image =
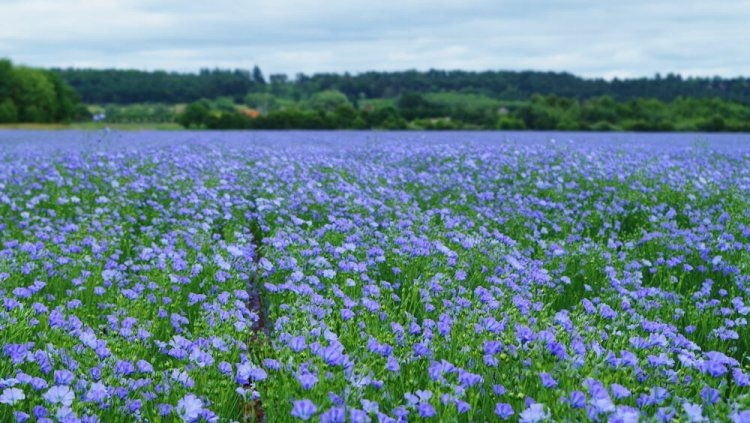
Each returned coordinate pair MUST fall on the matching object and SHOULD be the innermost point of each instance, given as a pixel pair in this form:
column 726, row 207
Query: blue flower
column 358, row 416
column 392, row 365
column 740, row 416
column 64, row 377
column 534, row 413
column 619, row 391
column 303, row 409
column 462, row 406
column 62, row 395
column 710, row 395
column 547, row 380
column 693, row 412
column 11, row 396
column 504, row 410
column 298, row 344
column 189, row 408
column 164, row 409
column 333, row 415
column 426, row 410
column 577, row 399
column 97, row 392
column 307, row 380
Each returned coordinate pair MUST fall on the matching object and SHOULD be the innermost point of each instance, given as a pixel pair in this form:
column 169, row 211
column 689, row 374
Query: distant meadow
column 369, row 276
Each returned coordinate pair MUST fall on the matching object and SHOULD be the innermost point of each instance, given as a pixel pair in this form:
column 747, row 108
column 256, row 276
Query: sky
column 592, row 38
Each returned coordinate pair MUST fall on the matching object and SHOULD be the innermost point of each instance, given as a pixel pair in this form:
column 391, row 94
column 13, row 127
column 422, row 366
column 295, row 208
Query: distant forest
column 111, row 86
column 435, row 99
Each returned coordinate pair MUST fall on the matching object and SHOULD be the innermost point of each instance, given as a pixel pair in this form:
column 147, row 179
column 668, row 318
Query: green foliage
column 328, row 100
column 137, row 113
column 435, row 124
column 510, row 123
column 6, row 75
column 33, row 95
column 258, row 76
column 265, row 102
column 385, row 118
column 195, row 115
column 113, row 86
column 8, row 111
column 477, row 88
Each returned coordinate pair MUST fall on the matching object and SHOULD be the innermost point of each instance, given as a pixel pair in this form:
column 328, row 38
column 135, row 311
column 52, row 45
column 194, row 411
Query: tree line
column 104, row 86
column 119, row 86
column 332, row 109
column 35, row 95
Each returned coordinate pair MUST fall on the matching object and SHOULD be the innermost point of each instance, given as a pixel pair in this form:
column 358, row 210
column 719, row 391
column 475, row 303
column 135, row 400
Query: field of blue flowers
column 372, row 276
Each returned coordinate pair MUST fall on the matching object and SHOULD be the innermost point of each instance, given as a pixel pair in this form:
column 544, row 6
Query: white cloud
column 589, row 37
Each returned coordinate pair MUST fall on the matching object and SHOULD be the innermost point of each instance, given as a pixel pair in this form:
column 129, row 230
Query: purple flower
column 740, row 416
column 358, row 416
column 392, row 365
column 298, row 344
column 619, row 391
column 462, row 406
column 59, row 395
column 164, row 409
column 498, row 389
column 271, row 364
column 307, row 380
column 333, row 356
column 369, row 406
column 577, row 399
column 303, row 409
column 534, row 413
column 334, row 415
column 11, row 396
column 144, row 366
column 504, row 410
column 64, row 377
column 625, row 414
column 134, row 406
column 547, row 380
column 22, row 292
column 714, row 368
column 693, row 412
column 38, row 383
column 97, row 392
column 710, row 395
column 248, row 372
column 39, row 411
column 16, row 352
column 468, row 379
column 189, row 408
column 426, row 410
column 740, row 378
column 124, row 368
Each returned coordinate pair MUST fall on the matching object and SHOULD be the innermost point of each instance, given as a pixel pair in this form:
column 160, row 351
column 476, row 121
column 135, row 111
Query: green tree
column 510, row 123
column 8, row 111
column 258, row 76
column 328, row 100
column 263, row 102
column 6, row 82
column 386, row 118
column 195, row 115
column 34, row 95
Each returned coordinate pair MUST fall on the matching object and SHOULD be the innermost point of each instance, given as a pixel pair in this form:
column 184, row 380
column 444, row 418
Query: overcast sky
column 598, row 38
